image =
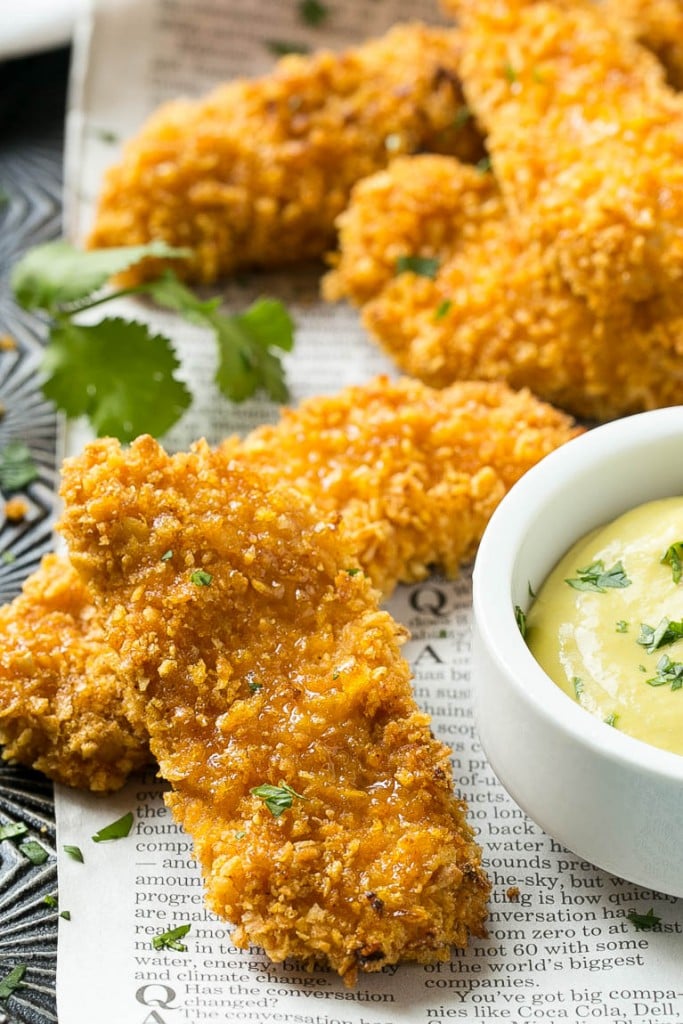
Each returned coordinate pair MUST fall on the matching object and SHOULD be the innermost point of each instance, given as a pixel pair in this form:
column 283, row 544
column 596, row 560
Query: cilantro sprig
column 118, row 373
column 596, row 577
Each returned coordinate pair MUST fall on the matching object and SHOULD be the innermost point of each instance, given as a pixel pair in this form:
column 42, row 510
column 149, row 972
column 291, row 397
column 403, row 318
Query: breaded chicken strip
column 255, row 173
column 586, row 141
column 411, row 475
column 658, row 25
column 414, row 473
column 279, row 709
column 492, row 306
column 64, row 707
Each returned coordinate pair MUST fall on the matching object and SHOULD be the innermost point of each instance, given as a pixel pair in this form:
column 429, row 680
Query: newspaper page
column 562, row 944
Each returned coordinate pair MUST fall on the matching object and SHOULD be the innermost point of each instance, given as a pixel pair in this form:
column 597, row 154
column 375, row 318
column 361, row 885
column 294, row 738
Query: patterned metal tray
column 32, row 106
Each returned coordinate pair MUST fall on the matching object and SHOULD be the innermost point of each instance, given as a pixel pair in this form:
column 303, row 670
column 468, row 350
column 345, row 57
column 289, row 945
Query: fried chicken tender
column 265, row 660
column 411, row 475
column 255, row 173
column 658, row 25
column 65, row 708
column 495, row 307
column 586, row 141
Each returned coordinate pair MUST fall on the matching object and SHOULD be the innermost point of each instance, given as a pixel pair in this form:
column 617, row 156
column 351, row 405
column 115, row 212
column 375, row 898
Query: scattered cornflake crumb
column 513, row 893
column 16, row 509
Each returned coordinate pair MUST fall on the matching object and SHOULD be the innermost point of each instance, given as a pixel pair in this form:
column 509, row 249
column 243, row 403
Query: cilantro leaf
column 668, row 671
column 116, row 373
column 17, row 468
column 171, row 939
column 666, row 632
column 12, row 830
column 644, row 922
column 277, row 799
column 245, row 340
column 57, row 274
column 170, row 292
column 12, row 981
column 34, row 852
column 520, row 619
column 596, row 577
column 672, row 557
column 423, row 266
column 118, row 829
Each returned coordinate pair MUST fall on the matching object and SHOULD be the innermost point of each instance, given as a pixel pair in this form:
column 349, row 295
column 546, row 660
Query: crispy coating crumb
column 658, row 25
column 65, row 708
column 414, row 473
column 332, row 715
column 411, row 474
column 16, row 509
column 255, row 173
column 498, row 307
column 586, row 141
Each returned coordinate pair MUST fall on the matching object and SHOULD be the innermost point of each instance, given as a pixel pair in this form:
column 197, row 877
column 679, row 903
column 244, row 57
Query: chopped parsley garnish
column 171, row 939
column 277, row 798
column 353, row 572
column 484, row 165
column 313, row 12
column 596, row 577
column 644, row 922
column 12, row 830
column 673, row 557
column 167, row 555
column 34, row 852
column 255, row 687
column 423, row 266
column 611, row 719
column 118, row 829
column 7, row 557
column 668, row 671
column 65, row 915
column 667, row 632
column 442, row 309
column 201, row 578
column 240, row 835
column 520, row 619
column 17, row 468
column 12, row 981
column 510, row 74
column 51, row 901
column 74, row 852
column 116, row 372
column 622, row 626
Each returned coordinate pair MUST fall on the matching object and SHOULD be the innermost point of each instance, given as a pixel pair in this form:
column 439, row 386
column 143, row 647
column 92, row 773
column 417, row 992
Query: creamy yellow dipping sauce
column 587, row 640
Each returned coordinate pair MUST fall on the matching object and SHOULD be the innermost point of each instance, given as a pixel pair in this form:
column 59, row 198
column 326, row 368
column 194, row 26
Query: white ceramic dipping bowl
column 612, row 799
